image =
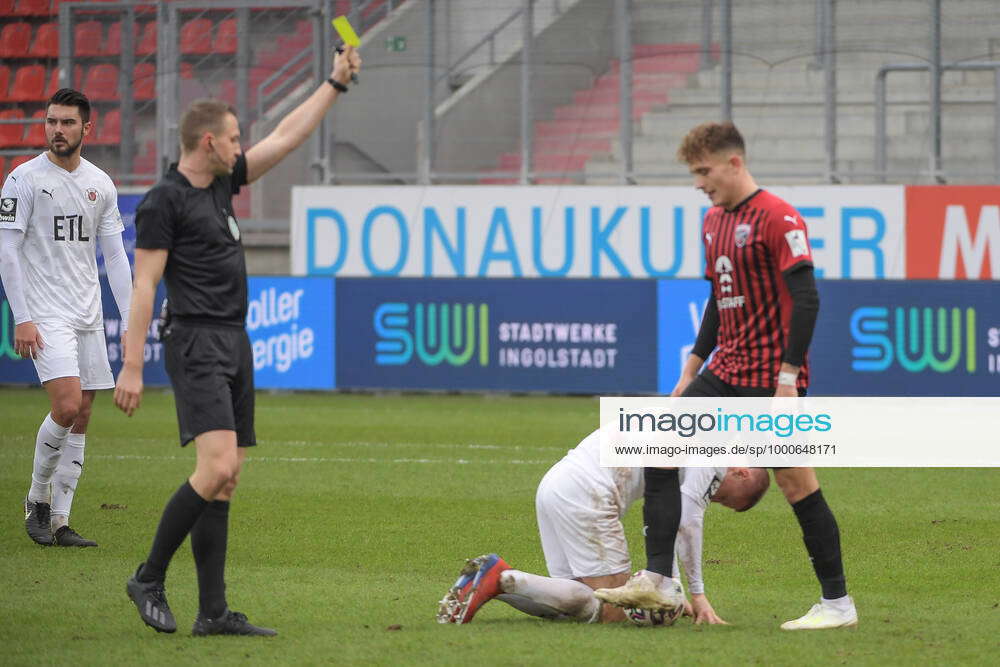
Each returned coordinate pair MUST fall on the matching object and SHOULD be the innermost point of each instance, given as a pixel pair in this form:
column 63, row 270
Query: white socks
column 48, row 447
column 843, row 604
column 65, row 478
column 549, row 598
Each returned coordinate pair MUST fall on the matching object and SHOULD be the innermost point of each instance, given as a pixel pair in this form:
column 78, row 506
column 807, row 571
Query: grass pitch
column 355, row 514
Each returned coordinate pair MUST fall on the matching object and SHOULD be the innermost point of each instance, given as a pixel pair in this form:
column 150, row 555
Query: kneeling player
column 579, row 506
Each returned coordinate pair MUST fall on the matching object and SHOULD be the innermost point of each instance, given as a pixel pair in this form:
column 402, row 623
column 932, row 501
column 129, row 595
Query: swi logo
column 917, row 338
column 436, row 332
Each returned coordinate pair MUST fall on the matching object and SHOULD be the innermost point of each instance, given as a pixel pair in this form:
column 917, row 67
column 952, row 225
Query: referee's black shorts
column 211, row 370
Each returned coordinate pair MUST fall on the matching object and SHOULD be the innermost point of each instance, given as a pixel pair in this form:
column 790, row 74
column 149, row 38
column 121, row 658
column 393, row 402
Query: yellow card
column 346, row 32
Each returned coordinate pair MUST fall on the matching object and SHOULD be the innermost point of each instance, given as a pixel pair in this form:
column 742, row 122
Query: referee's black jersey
column 206, row 271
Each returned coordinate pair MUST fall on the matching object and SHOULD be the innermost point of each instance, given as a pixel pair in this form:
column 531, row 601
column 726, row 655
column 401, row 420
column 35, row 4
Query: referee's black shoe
column 230, row 623
column 151, row 600
column 38, row 522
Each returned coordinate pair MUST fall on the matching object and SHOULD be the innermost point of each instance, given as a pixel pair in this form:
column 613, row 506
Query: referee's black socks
column 208, row 543
column 822, row 538
column 661, row 514
column 180, row 514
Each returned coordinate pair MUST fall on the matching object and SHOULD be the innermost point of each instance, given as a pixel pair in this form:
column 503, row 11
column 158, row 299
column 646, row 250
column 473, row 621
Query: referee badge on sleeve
column 8, row 209
column 234, row 229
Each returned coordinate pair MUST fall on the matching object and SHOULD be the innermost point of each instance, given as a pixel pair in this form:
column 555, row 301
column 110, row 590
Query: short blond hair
column 202, row 116
column 709, row 138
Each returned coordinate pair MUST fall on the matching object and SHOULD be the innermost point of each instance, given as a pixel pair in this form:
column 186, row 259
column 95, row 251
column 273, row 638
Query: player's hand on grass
column 346, row 62
column 128, row 389
column 688, row 611
column 703, row 612
column 27, row 340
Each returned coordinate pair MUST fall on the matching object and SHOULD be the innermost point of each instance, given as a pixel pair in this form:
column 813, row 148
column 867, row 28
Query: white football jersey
column 61, row 214
column 585, row 458
column 700, row 484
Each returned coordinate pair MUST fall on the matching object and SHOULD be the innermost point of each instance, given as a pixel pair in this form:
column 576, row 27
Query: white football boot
column 645, row 590
column 824, row 616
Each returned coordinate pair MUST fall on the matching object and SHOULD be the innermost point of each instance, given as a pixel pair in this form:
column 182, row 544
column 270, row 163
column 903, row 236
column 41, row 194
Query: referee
column 186, row 233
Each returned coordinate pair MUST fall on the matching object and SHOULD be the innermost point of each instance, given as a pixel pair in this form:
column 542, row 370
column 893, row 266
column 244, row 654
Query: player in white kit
column 52, row 209
column 579, row 506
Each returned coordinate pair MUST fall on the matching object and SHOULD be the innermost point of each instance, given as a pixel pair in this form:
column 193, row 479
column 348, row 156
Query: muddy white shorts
column 578, row 520
column 70, row 352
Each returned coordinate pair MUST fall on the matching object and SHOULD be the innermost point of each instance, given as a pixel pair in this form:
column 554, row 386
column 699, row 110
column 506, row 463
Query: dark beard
column 67, row 151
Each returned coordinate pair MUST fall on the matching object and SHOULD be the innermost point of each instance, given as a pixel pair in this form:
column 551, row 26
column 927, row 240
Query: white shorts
column 70, row 352
column 578, row 521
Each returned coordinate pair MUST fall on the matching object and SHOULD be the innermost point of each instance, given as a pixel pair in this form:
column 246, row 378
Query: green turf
column 356, row 512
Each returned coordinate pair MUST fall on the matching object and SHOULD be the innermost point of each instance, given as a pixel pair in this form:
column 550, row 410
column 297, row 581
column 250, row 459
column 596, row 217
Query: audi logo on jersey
column 724, row 270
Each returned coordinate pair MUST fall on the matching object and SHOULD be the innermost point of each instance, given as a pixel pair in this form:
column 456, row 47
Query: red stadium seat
column 6, row 7
column 146, row 42
column 4, row 82
column 53, row 86
column 14, row 40
column 11, row 134
column 46, row 44
column 226, row 37
column 88, row 38
column 113, row 42
column 101, row 82
column 35, row 134
column 29, row 84
column 33, row 8
column 21, row 159
column 196, row 36
column 109, row 131
column 144, row 82
column 3, row 169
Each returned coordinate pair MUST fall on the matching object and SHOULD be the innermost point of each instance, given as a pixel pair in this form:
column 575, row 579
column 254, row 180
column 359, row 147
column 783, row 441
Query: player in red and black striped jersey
column 759, row 321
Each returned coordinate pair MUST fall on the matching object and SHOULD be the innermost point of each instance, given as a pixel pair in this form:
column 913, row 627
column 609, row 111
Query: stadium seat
column 196, row 36
column 101, row 82
column 225, row 37
column 46, row 43
column 53, row 86
column 109, row 131
column 146, row 42
column 21, row 159
column 144, row 82
column 7, row 7
column 14, row 40
column 29, row 84
column 113, row 42
column 88, row 39
column 3, row 168
column 33, row 8
column 4, row 82
column 35, row 134
column 11, row 134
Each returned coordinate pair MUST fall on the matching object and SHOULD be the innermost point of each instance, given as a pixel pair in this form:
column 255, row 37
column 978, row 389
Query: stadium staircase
column 778, row 96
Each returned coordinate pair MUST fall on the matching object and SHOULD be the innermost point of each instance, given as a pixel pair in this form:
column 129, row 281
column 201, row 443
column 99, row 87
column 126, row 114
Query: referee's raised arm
column 301, row 121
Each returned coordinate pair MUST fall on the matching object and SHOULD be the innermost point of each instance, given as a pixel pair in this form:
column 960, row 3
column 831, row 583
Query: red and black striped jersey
column 746, row 251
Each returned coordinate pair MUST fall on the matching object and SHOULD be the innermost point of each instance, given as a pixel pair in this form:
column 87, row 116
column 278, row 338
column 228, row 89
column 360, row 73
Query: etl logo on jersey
column 917, row 339
column 436, row 332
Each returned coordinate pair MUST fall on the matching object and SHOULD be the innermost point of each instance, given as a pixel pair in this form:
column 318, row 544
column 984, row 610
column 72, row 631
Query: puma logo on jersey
column 792, row 219
column 51, row 447
column 47, row 192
